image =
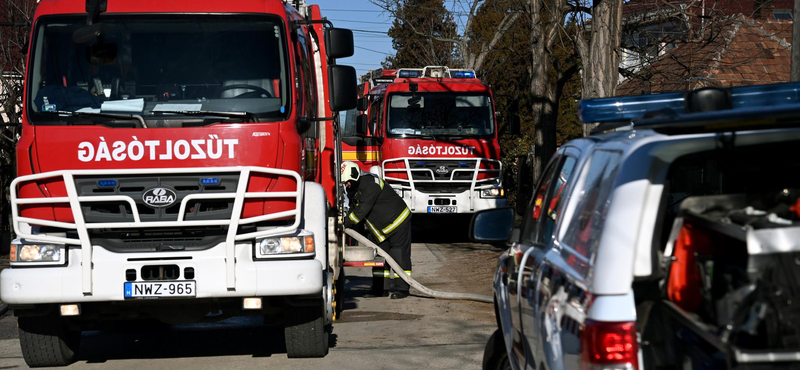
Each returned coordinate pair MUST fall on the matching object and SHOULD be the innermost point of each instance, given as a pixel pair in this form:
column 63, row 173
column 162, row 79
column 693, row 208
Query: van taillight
column 609, row 345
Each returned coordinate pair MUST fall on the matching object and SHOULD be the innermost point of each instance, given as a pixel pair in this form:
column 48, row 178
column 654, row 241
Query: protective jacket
column 378, row 205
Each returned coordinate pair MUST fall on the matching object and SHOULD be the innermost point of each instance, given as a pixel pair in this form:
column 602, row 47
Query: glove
column 348, row 223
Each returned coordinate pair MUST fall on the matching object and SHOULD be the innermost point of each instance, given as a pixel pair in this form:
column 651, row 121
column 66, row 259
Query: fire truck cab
column 177, row 162
column 432, row 134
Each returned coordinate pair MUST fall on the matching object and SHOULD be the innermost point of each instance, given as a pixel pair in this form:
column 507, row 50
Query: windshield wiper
column 247, row 116
column 98, row 114
column 422, row 136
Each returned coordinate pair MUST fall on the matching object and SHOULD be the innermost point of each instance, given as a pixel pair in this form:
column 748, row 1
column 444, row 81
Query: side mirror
column 362, row 105
column 361, row 125
column 513, row 124
column 343, row 88
column 339, row 42
column 492, row 225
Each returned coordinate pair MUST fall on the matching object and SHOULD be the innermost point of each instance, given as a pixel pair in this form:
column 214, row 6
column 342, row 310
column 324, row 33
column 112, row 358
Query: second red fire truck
column 432, row 134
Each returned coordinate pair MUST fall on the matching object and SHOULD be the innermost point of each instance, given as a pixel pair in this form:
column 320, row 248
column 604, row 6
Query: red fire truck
column 178, row 162
column 432, row 134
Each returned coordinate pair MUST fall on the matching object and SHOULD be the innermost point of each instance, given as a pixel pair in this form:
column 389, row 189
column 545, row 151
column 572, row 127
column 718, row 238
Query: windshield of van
column 441, row 114
column 148, row 65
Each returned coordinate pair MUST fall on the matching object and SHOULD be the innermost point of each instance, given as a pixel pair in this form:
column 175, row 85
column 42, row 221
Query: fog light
column 70, row 310
column 251, row 303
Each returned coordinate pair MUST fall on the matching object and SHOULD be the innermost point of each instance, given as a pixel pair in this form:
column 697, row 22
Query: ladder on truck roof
column 436, row 72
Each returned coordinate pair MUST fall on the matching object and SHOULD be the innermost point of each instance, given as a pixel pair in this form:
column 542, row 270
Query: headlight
column 46, row 254
column 284, row 245
column 492, row 193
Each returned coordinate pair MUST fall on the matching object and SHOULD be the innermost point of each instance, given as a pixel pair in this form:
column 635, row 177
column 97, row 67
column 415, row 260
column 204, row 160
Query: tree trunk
column 601, row 60
column 542, row 95
column 796, row 42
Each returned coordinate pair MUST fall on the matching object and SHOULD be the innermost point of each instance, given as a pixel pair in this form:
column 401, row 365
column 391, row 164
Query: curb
column 3, row 309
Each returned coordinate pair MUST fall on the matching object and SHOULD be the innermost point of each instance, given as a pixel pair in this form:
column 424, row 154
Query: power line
column 368, row 31
column 374, row 51
column 357, row 21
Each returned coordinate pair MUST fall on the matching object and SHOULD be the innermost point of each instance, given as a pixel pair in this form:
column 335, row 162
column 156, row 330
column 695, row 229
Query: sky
column 369, row 24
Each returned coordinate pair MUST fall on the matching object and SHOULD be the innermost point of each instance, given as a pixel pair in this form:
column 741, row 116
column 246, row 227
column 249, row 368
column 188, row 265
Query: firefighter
column 388, row 221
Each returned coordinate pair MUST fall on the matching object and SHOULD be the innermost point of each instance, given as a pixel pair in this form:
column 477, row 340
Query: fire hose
column 401, row 273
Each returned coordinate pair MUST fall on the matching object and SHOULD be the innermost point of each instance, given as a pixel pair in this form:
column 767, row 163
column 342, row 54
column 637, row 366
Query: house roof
column 741, row 52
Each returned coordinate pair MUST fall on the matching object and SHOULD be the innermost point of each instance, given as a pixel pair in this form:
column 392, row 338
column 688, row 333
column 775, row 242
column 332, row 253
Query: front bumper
column 419, row 202
column 276, row 277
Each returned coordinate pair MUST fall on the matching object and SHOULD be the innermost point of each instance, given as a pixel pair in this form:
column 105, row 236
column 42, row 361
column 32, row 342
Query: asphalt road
column 376, row 333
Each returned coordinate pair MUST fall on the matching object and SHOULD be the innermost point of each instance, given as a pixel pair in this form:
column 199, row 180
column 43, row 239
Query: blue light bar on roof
column 627, row 108
column 408, row 74
column 462, row 74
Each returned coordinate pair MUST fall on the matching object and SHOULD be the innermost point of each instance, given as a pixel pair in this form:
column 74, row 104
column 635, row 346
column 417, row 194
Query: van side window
column 594, row 199
column 534, row 212
column 554, row 199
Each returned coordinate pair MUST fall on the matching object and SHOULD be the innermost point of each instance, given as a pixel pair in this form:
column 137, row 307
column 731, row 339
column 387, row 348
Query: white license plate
column 158, row 289
column 443, row 209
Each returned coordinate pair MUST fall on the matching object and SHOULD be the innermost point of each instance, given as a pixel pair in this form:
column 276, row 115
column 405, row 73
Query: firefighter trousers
column 398, row 245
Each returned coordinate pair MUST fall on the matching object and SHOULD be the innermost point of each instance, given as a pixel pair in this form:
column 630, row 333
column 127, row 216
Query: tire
column 45, row 341
column 495, row 356
column 305, row 332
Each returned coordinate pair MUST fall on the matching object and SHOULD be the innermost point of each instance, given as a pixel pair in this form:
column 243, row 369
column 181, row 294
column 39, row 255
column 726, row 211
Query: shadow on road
column 440, row 228
column 234, row 336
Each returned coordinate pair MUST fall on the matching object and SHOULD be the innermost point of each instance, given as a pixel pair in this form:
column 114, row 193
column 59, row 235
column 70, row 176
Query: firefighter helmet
column 350, row 172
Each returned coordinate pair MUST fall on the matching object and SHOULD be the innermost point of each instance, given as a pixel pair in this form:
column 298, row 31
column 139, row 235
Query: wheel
column 45, row 341
column 495, row 356
column 305, row 331
column 338, row 296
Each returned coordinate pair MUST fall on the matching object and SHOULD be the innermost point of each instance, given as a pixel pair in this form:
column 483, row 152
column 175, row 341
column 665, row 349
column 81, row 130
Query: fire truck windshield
column 440, row 114
column 158, row 65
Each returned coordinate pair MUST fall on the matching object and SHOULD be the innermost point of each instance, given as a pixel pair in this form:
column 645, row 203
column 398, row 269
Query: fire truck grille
column 159, row 240
column 136, row 187
column 442, row 170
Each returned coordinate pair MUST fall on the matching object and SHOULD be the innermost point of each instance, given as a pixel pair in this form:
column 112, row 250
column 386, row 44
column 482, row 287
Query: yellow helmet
column 350, row 171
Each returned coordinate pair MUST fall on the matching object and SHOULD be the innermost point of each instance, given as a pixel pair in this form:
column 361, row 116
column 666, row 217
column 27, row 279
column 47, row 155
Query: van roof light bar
column 629, row 108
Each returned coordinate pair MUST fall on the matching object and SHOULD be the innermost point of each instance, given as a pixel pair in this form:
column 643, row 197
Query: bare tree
column 796, row 41
column 600, row 58
column 687, row 45
column 472, row 57
column 15, row 21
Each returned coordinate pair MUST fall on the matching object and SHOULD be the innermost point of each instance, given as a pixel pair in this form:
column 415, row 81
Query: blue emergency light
column 408, row 74
column 107, row 183
column 620, row 109
column 209, row 181
column 462, row 74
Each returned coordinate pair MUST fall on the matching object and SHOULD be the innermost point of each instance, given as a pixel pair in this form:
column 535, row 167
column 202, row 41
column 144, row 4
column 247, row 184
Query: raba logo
column 159, row 197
